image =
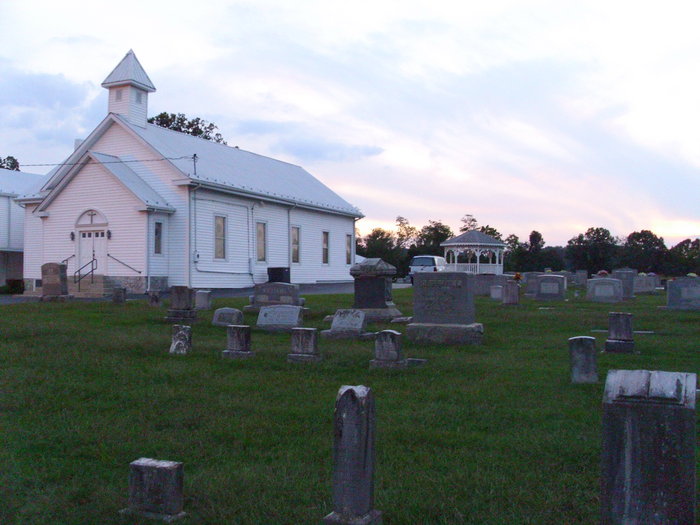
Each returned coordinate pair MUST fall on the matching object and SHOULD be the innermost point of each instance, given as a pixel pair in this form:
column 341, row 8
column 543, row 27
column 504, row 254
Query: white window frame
column 291, row 244
column 257, row 242
column 225, row 237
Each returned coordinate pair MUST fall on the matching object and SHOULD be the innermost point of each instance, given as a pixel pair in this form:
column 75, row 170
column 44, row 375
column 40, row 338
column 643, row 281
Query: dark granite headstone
column 155, row 489
column 583, row 359
column 181, row 305
column 54, row 280
column 373, row 292
column 353, row 458
column 648, row 450
column 119, row 295
column 620, row 335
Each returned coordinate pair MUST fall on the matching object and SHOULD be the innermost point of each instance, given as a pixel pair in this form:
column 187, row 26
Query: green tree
column 9, row 163
column 594, row 250
column 644, row 251
column 431, row 235
column 469, row 223
column 683, row 258
column 536, row 242
column 196, row 126
column 406, row 234
column 490, row 230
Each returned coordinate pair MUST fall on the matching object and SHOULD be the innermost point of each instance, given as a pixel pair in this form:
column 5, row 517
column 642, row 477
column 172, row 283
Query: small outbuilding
column 475, row 252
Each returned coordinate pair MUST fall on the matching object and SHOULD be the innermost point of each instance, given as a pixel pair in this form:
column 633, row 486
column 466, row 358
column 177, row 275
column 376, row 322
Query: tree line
column 593, row 250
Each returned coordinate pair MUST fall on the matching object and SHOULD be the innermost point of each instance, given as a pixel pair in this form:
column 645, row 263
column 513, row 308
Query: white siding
column 128, row 106
column 159, row 175
column 95, row 188
column 5, row 222
column 158, row 262
column 16, row 226
column 33, row 243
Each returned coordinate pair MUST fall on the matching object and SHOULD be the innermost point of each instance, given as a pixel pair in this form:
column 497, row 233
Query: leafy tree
column 683, row 258
column 644, row 251
column 406, row 234
column 469, row 223
column 431, row 235
column 490, row 230
column 536, row 242
column 9, row 163
column 196, row 126
column 380, row 243
column 516, row 254
column 594, row 250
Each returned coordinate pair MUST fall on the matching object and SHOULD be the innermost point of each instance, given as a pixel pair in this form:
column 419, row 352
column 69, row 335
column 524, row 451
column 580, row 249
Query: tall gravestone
column 511, row 293
column 620, row 335
column 181, row 305
column 604, row 290
column 155, row 489
column 54, row 282
column 373, row 293
column 648, row 449
column 353, row 458
column 443, row 309
column 683, row 293
column 530, row 279
column 627, row 276
column 582, row 356
column 580, row 277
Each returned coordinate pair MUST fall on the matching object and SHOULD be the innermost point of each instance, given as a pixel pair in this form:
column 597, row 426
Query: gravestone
column 237, row 342
column 275, row 293
column 155, row 489
column 604, row 290
column 226, row 316
column 550, row 287
column 683, row 293
column 511, row 293
column 530, row 279
column 54, row 282
column 181, row 305
column 648, row 448
column 497, row 292
column 627, row 276
column 119, row 295
column 644, row 284
column 153, row 298
column 348, row 324
column 387, row 351
column 568, row 277
column 202, row 300
column 443, row 309
column 280, row 318
column 373, row 295
column 353, row 458
column 583, row 359
column 304, row 346
column 620, row 335
column 484, row 281
column 581, row 277
column 181, row 340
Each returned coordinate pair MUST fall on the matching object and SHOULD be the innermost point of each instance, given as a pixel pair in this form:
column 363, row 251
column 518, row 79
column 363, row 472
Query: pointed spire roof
column 129, row 72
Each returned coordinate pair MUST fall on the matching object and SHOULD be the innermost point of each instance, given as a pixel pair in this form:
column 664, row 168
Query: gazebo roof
column 473, row 238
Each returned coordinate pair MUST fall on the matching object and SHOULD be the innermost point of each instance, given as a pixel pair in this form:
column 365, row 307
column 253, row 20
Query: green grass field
column 490, row 434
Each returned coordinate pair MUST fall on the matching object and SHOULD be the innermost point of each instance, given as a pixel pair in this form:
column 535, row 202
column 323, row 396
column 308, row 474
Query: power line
column 112, row 161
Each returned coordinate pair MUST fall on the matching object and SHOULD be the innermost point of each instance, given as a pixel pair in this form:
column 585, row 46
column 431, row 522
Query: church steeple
column 129, row 86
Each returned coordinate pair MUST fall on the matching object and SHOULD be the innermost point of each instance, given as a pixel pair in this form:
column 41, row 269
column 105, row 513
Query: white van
column 426, row 263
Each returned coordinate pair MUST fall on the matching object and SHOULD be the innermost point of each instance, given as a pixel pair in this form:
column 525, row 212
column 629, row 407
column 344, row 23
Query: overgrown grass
column 489, row 434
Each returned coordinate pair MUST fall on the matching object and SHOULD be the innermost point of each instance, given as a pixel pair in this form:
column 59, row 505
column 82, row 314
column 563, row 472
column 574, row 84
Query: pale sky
column 542, row 115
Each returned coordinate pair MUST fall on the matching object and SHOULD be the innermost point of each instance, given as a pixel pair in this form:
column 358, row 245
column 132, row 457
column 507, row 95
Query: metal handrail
column 77, row 277
column 64, row 261
column 122, row 262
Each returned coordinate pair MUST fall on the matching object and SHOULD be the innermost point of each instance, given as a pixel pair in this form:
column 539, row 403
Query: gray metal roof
column 132, row 181
column 129, row 72
column 473, row 237
column 248, row 173
column 19, row 182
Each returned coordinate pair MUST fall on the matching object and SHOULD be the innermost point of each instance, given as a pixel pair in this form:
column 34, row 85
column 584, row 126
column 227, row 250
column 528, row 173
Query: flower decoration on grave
column 603, row 273
column 517, row 277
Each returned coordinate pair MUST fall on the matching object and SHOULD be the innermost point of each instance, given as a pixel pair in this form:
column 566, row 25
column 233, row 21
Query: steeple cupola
column 129, row 86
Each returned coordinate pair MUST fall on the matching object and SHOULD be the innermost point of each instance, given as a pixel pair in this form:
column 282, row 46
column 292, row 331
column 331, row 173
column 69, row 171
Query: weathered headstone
column 373, row 292
column 620, row 335
column 238, row 342
column 484, row 281
column 496, row 292
column 181, row 340
column 580, row 277
column 181, row 305
column 387, row 350
column 348, row 324
column 604, row 290
column 226, row 316
column 304, row 346
column 582, row 356
column 202, row 300
column 683, row 293
column 353, row 458
column 119, row 295
column 530, row 279
column 155, row 489
column 511, row 293
column 153, row 298
column 550, row 287
column 644, row 284
column 648, row 449
column 443, row 309
column 627, row 276
column 275, row 293
column 280, row 318
column 54, row 282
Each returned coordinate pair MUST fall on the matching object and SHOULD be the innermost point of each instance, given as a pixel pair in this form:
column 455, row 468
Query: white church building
column 145, row 207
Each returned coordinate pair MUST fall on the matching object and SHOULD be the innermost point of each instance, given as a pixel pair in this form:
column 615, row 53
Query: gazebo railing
column 474, row 268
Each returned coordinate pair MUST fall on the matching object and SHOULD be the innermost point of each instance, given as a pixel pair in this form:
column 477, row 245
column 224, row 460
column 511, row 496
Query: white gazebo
column 474, row 251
